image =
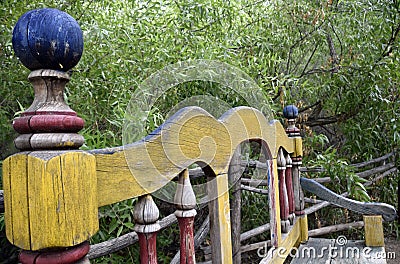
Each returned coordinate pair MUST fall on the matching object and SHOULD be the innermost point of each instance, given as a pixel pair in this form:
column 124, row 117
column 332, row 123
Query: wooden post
column 373, row 231
column 185, row 201
column 283, row 196
column 273, row 198
column 289, row 186
column 291, row 113
column 234, row 175
column 146, row 215
column 51, row 188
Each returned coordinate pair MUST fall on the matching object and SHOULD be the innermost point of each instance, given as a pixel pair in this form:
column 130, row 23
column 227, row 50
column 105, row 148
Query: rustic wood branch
column 376, row 160
column 363, row 174
column 112, row 245
column 254, row 232
column 318, row 206
column 255, row 190
column 312, row 200
column 235, row 172
column 334, row 228
column 376, row 170
column 251, row 247
column 381, row 176
column 254, row 182
column 387, row 211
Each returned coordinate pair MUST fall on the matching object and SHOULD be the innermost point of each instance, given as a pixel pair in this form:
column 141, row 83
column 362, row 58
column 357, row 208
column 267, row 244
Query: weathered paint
column 70, row 255
column 292, row 239
column 273, row 186
column 186, row 225
column 185, row 202
column 52, row 198
column 192, row 135
column 146, row 215
column 289, row 184
column 148, row 248
column 373, row 231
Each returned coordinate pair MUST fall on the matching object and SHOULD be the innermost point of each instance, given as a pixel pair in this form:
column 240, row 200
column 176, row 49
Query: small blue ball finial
column 47, row 39
column 290, row 112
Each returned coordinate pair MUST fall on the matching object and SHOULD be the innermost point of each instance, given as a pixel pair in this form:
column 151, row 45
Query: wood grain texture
column 387, row 211
column 51, row 199
column 283, row 196
column 185, row 202
column 373, row 231
column 274, row 208
column 234, row 175
column 220, row 224
column 290, row 240
column 191, row 135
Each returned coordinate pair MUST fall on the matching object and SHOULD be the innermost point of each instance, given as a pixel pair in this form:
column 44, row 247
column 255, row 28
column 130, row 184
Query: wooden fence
column 52, row 190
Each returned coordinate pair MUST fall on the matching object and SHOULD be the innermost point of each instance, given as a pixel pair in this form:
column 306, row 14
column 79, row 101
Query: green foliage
column 338, row 169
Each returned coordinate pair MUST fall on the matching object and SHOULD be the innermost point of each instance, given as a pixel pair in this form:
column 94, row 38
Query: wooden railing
column 52, row 190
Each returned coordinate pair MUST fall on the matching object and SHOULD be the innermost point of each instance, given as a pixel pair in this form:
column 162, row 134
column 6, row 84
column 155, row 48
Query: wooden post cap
column 49, row 42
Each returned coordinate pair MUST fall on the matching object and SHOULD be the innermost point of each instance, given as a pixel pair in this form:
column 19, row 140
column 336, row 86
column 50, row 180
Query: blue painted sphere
column 290, row 112
column 47, row 39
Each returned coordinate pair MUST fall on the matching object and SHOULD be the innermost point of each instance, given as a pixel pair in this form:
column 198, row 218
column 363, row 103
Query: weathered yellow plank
column 277, row 217
column 16, row 203
column 373, row 231
column 219, row 210
column 291, row 240
column 303, row 228
column 8, row 198
column 191, row 135
column 44, row 193
column 80, row 195
column 224, row 219
column 19, row 209
column 53, row 198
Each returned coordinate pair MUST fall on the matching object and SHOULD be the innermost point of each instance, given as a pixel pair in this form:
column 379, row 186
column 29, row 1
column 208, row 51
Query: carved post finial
column 291, row 113
column 185, row 202
column 49, row 42
column 283, row 194
column 146, row 215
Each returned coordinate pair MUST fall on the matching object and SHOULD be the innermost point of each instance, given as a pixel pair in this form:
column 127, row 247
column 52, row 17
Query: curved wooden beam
column 387, row 211
column 190, row 136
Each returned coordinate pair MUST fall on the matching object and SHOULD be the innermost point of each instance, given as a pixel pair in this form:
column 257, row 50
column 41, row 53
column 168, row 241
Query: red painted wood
column 48, row 123
column 283, row 200
column 64, row 256
column 289, row 187
column 21, row 125
column 186, row 225
column 31, row 113
column 296, row 161
column 148, row 248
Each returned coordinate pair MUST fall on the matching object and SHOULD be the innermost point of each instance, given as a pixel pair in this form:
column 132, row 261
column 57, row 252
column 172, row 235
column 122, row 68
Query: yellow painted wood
column 298, row 152
column 289, row 241
column 303, row 228
column 15, row 198
column 224, row 219
column 191, row 135
column 53, row 199
column 373, row 231
column 277, row 213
